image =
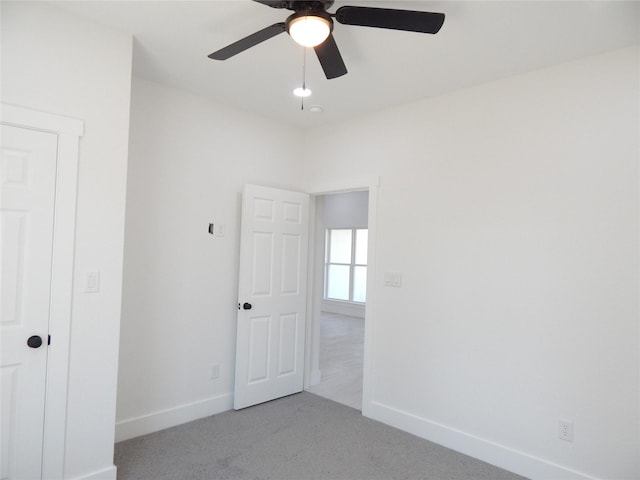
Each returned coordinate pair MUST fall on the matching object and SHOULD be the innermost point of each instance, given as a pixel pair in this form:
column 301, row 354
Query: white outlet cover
column 565, row 430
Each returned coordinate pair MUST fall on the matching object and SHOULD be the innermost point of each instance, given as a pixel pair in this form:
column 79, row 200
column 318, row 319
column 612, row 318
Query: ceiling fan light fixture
column 302, row 92
column 309, row 30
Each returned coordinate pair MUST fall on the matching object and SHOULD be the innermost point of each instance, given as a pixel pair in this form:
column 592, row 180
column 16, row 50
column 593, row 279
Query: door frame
column 68, row 130
column 315, row 286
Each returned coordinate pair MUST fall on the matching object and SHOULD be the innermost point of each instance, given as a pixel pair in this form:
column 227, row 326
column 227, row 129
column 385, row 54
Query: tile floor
column 341, row 352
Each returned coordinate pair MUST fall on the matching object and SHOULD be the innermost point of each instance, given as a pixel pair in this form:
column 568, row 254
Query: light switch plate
column 393, row 279
column 92, row 284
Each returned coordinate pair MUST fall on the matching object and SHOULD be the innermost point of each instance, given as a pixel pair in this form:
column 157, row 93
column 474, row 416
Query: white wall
column 511, row 210
column 55, row 62
column 189, row 159
column 346, row 210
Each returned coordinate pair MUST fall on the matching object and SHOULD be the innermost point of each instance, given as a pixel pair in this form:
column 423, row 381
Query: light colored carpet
column 298, row 437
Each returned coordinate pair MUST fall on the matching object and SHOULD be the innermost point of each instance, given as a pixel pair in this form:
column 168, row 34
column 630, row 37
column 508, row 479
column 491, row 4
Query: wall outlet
column 565, row 430
column 215, row 371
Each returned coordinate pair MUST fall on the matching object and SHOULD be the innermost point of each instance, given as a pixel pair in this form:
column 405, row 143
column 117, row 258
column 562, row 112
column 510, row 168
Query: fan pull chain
column 304, row 76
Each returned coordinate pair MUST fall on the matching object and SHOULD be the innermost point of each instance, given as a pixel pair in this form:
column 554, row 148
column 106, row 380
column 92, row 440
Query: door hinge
column 49, row 340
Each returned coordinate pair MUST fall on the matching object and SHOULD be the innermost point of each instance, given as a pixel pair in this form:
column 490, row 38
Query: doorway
column 340, row 262
column 310, row 280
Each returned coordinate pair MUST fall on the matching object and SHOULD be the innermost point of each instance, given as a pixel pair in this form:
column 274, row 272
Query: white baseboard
column 314, row 379
column 344, row 308
column 156, row 421
column 501, row 456
column 109, row 473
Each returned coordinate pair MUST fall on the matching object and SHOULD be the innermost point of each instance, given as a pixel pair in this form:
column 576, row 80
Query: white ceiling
column 480, row 41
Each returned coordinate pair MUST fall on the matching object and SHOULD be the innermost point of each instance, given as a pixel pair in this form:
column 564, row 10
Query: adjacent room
column 341, row 239
column 458, row 215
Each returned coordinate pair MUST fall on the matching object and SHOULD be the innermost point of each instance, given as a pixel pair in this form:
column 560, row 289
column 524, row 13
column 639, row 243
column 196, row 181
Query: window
column 346, row 264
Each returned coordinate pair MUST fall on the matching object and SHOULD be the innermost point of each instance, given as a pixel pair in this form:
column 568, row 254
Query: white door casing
column 272, row 295
column 38, row 182
column 27, row 179
column 316, row 278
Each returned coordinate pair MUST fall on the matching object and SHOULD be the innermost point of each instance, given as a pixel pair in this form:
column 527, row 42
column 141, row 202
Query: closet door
column 28, row 181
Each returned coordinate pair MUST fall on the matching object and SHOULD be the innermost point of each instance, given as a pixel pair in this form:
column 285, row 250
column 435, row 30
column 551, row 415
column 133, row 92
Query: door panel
column 262, row 264
column 259, row 349
column 290, row 264
column 288, row 334
column 273, row 274
column 27, row 177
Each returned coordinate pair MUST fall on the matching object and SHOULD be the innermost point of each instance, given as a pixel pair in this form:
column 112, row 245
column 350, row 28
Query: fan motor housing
column 315, row 13
column 308, row 5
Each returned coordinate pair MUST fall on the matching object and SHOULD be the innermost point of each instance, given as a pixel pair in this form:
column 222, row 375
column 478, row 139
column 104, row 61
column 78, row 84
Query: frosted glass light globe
column 309, row 30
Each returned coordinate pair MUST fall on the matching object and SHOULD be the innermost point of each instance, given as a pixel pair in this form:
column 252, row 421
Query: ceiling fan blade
column 330, row 58
column 248, row 42
column 273, row 3
column 408, row 20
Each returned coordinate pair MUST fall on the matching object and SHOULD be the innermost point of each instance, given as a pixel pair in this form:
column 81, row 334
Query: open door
column 272, row 295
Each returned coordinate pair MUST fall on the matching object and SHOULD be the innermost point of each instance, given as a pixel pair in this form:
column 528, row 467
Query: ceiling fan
column 311, row 25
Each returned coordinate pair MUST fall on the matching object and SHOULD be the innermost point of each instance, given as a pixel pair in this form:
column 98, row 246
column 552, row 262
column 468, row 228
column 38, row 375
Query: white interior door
column 272, row 295
column 28, row 180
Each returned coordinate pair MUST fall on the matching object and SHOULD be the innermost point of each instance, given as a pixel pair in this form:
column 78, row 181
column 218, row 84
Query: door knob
column 247, row 306
column 34, row 341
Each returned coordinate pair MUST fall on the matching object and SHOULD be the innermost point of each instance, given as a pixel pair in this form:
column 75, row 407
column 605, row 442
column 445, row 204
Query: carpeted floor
column 299, row 437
